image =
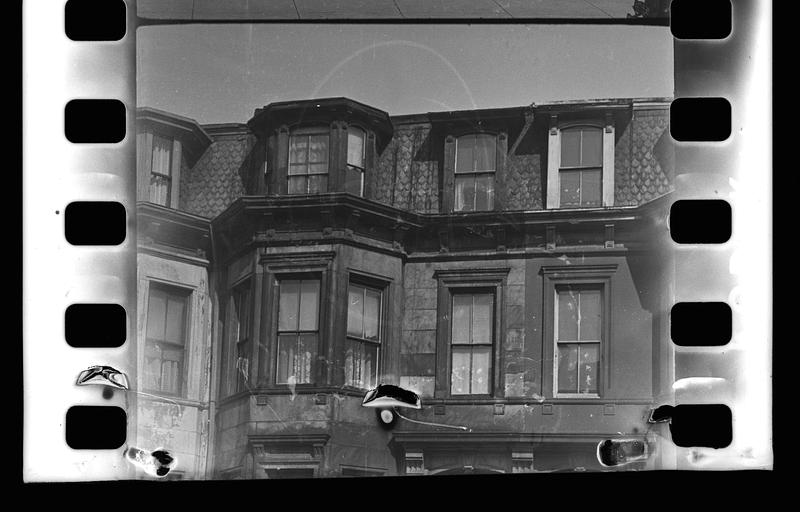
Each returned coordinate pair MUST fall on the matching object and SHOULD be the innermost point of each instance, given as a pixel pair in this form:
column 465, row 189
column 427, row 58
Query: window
column 581, row 169
column 239, row 339
column 308, row 162
column 471, row 343
column 165, row 339
column 161, row 171
column 288, row 473
column 354, row 178
column 474, row 172
column 298, row 330
column 578, row 334
column 364, row 307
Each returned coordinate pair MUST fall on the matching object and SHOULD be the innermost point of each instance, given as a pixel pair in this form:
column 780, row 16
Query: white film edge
column 319, row 212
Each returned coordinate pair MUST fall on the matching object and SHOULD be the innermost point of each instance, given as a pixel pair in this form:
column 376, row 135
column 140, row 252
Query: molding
column 572, row 270
column 476, row 274
column 420, row 441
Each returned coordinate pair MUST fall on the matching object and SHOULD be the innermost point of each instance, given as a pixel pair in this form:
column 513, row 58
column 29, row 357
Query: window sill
column 535, row 401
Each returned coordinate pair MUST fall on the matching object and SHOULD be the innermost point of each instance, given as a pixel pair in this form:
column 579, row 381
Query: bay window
column 356, row 153
column 161, row 171
column 364, row 310
column 298, row 330
column 165, row 340
column 308, row 161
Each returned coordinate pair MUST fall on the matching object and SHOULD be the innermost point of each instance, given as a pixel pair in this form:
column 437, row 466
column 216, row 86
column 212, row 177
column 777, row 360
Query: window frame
column 603, row 121
column 301, row 277
column 473, row 292
column 455, row 281
column 600, row 342
column 383, row 287
column 601, row 277
column 308, row 132
column 475, row 174
column 348, row 165
column 278, row 266
column 234, row 347
column 187, row 295
column 170, row 143
column 580, row 168
column 500, row 131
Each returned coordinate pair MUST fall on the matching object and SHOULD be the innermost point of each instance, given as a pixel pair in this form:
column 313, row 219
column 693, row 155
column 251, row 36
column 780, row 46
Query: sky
column 222, row 73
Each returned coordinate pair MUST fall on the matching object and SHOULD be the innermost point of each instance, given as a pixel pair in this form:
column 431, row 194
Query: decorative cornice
column 579, row 269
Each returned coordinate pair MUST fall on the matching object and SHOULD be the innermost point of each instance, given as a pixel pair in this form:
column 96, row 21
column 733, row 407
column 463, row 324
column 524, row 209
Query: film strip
column 79, row 61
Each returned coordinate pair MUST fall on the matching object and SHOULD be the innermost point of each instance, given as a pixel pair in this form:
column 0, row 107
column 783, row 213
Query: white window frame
column 554, row 160
column 363, row 168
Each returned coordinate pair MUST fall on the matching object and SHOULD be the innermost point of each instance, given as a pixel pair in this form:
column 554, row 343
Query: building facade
column 508, row 265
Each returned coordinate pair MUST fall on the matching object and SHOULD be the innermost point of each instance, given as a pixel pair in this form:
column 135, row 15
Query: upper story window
column 578, row 333
column 475, row 162
column 471, row 343
column 356, row 157
column 580, row 161
column 165, row 341
column 364, row 310
column 308, row 161
column 161, row 171
column 298, row 330
column 580, row 173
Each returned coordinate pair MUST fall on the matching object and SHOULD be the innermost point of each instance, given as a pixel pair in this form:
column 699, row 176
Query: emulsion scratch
column 157, row 463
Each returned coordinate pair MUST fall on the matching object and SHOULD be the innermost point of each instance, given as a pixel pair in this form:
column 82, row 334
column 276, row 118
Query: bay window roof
column 322, row 111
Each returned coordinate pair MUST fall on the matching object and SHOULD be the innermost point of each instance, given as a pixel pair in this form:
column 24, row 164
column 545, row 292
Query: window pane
column 570, row 148
column 482, row 319
column 352, row 181
column 287, row 350
column 372, row 312
column 588, row 355
column 306, row 353
column 567, row 368
column 175, row 319
column 484, row 193
column 465, row 194
column 460, row 377
column 287, row 307
column 591, row 190
column 590, row 318
column 298, row 185
column 355, row 311
column 162, row 155
column 355, row 147
column 321, row 168
column 592, row 147
column 567, row 315
column 481, row 365
column 570, row 188
column 462, row 304
column 152, row 366
column 317, row 184
column 298, row 149
column 298, row 169
column 369, row 372
column 159, row 189
column 318, row 148
column 156, row 313
column 309, row 305
column 485, row 158
column 351, row 362
column 465, row 153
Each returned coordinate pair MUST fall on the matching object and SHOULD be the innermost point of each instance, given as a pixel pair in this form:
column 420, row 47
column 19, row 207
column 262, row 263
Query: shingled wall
column 215, row 181
column 638, row 174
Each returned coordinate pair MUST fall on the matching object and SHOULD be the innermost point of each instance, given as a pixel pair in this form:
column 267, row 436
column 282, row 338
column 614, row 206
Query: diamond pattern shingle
column 638, row 174
column 215, row 181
